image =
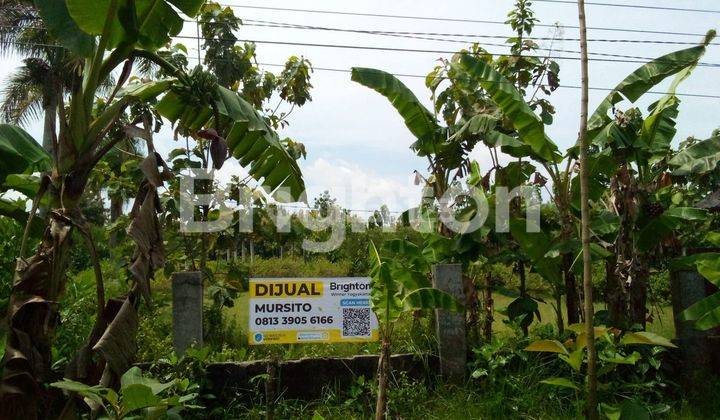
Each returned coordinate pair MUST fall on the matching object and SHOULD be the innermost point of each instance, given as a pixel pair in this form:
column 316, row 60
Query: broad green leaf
column 24, row 183
column 604, row 223
column 534, row 244
column 137, row 396
column 710, row 269
column 475, row 174
column 645, row 337
column 700, row 158
column 659, row 127
column 418, row 119
column 642, row 80
column 524, row 308
column 705, row 313
column 430, row 298
column 575, row 359
column 561, row 382
column 611, row 412
column 551, row 346
column 16, row 210
column 90, row 16
column 250, row 139
column 631, row 410
column 581, row 339
column 508, row 144
column 658, row 228
column 135, row 376
column 620, row 359
column 149, row 23
column 20, row 153
column 528, row 125
column 383, row 294
column 711, row 319
column 74, row 386
column 62, row 27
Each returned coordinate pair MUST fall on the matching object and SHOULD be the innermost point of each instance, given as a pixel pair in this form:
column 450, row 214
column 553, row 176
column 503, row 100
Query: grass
column 662, row 324
column 408, row 338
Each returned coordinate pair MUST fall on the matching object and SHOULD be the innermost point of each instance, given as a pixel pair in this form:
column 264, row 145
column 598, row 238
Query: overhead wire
column 633, row 6
column 261, row 23
column 600, row 54
column 631, row 59
column 445, row 19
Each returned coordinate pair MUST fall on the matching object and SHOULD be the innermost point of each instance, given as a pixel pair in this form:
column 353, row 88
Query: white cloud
column 359, row 187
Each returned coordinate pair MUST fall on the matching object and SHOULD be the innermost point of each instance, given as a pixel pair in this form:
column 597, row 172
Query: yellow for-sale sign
column 311, row 310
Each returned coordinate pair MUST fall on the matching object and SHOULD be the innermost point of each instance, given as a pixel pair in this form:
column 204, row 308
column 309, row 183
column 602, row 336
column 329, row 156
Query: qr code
column 356, row 322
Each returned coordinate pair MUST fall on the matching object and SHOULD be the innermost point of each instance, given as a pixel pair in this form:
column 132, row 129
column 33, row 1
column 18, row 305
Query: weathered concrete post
column 187, row 305
column 688, row 287
column 450, row 325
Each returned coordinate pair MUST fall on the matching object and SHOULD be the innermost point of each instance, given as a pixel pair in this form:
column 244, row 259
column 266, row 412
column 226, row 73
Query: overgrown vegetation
column 92, row 227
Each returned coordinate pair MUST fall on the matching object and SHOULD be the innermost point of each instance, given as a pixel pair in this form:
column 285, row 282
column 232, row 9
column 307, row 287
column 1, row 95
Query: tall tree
column 589, row 310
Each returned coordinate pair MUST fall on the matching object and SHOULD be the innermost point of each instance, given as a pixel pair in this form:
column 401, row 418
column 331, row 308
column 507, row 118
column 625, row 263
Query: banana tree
column 634, row 152
column 399, row 284
column 110, row 35
column 531, row 141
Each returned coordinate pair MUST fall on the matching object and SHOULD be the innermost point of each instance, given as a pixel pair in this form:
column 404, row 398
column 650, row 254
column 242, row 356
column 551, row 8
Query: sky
column 358, row 146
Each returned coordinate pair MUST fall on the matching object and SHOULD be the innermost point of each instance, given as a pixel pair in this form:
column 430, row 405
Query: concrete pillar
column 686, row 288
column 452, row 346
column 187, row 306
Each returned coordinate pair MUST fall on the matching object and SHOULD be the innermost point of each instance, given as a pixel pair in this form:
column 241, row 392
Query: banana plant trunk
column 615, row 294
column 38, row 283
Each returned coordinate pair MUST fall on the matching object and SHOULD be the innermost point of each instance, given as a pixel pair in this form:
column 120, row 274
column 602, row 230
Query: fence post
column 688, row 287
column 187, row 306
column 450, row 326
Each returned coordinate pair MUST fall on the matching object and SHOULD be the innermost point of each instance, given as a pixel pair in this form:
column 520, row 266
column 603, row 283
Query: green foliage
column 629, row 368
column 642, row 80
column 530, row 128
column 419, row 120
column 700, row 158
column 20, row 153
column 11, row 233
column 706, row 312
column 140, row 396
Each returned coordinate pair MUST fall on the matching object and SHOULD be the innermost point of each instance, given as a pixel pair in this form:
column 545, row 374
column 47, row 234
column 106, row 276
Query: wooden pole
column 591, row 411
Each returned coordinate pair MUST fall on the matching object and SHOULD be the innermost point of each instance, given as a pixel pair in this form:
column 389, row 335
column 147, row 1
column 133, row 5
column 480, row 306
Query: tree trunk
column 38, row 284
column 572, row 302
column 116, row 210
column 489, row 307
column 615, row 294
column 383, row 374
column 638, row 293
column 50, row 105
column 523, row 292
column 592, row 412
column 558, row 310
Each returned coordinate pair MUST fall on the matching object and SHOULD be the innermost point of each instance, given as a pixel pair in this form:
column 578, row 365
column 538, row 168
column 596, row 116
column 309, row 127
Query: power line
column 265, row 23
column 431, row 51
column 292, row 26
column 443, row 19
column 632, row 6
column 691, row 95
